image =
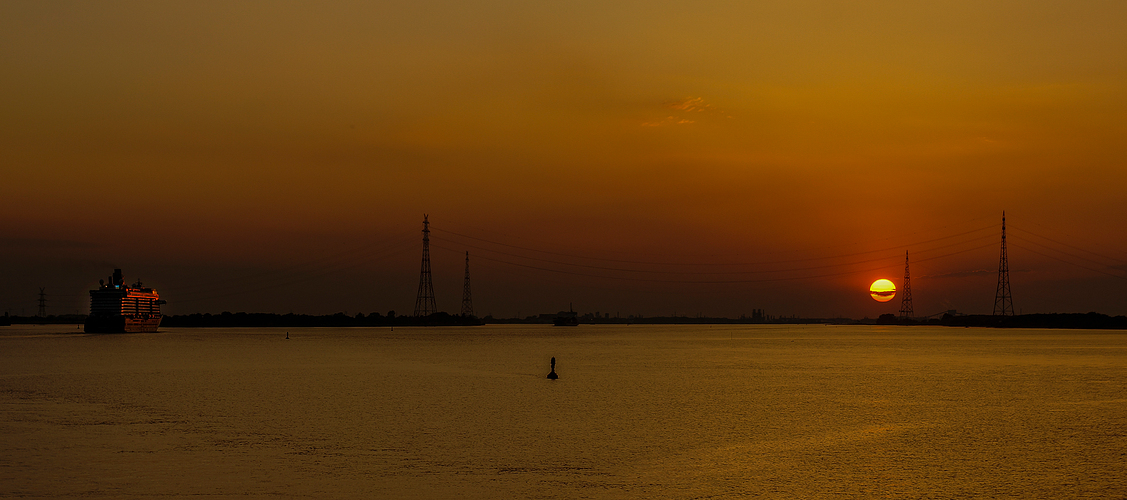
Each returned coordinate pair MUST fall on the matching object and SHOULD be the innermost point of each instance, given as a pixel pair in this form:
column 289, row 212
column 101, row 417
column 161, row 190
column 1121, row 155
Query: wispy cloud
column 690, row 104
column 669, row 120
column 688, row 110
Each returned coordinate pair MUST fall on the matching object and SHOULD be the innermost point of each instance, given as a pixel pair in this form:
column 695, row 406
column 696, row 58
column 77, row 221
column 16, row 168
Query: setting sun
column 882, row 290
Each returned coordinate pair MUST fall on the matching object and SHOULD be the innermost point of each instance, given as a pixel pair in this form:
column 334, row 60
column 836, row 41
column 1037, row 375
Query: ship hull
column 121, row 324
column 118, row 308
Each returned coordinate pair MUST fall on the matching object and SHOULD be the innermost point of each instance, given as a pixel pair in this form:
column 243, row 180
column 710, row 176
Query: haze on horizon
column 278, row 157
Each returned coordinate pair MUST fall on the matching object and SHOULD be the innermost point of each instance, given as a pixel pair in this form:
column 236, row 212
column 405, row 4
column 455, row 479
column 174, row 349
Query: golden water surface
column 638, row 412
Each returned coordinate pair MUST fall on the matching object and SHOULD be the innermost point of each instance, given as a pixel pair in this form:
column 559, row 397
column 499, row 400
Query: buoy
column 552, row 375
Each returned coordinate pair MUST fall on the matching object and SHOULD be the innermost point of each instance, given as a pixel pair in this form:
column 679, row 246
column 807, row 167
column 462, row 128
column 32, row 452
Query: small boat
column 566, row 318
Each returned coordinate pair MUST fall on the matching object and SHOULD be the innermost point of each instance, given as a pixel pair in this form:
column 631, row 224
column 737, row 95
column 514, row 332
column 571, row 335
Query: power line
column 683, row 263
column 835, row 246
column 1081, row 257
column 761, row 280
column 1027, row 249
column 759, row 271
column 287, row 272
column 286, row 279
column 1116, row 259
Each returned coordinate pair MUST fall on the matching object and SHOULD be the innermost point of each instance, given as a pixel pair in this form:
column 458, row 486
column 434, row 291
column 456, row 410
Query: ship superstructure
column 119, row 308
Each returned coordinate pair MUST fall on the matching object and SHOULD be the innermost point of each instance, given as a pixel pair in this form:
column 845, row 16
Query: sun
column 882, row 290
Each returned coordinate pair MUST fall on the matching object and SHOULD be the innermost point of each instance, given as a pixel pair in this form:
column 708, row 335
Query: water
column 638, row 412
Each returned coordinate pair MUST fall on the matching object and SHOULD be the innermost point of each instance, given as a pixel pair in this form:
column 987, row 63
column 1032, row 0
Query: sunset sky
column 647, row 158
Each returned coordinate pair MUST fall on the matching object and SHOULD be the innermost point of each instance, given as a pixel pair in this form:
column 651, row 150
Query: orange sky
column 256, row 156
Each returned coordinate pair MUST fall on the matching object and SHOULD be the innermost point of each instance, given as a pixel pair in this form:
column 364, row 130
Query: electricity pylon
column 424, row 302
column 42, row 303
column 1003, row 302
column 467, row 297
column 906, row 300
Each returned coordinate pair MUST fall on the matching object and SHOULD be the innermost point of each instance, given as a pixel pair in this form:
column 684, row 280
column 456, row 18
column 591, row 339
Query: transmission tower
column 906, row 301
column 1003, row 302
column 467, row 297
column 424, row 302
column 42, row 303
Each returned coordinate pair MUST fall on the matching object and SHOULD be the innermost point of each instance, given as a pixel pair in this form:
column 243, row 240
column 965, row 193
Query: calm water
column 638, row 412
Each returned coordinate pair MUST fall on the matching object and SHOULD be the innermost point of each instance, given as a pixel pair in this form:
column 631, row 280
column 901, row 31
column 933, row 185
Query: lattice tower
column 424, row 301
column 42, row 303
column 906, row 300
column 467, row 297
column 1003, row 302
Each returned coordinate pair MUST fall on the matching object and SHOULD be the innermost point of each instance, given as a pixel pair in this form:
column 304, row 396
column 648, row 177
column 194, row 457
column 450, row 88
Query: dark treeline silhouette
column 51, row 319
column 656, row 320
column 242, row 319
column 1090, row 320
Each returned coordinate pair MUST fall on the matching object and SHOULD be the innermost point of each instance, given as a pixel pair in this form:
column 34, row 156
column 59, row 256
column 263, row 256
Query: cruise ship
column 118, row 308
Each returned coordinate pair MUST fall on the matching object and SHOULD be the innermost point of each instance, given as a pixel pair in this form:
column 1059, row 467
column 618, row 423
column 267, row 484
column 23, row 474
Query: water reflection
column 655, row 412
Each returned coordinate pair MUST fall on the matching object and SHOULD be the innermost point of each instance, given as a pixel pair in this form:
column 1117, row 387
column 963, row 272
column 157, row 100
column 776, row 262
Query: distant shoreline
column 1083, row 321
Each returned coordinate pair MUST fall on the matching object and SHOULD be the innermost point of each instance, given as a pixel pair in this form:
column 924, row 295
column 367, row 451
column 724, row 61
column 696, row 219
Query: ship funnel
column 118, row 280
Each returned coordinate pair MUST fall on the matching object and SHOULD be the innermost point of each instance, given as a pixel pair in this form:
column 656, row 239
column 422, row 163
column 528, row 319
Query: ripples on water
column 638, row 412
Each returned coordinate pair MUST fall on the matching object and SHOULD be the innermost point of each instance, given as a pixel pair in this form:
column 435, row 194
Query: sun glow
column 882, row 290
